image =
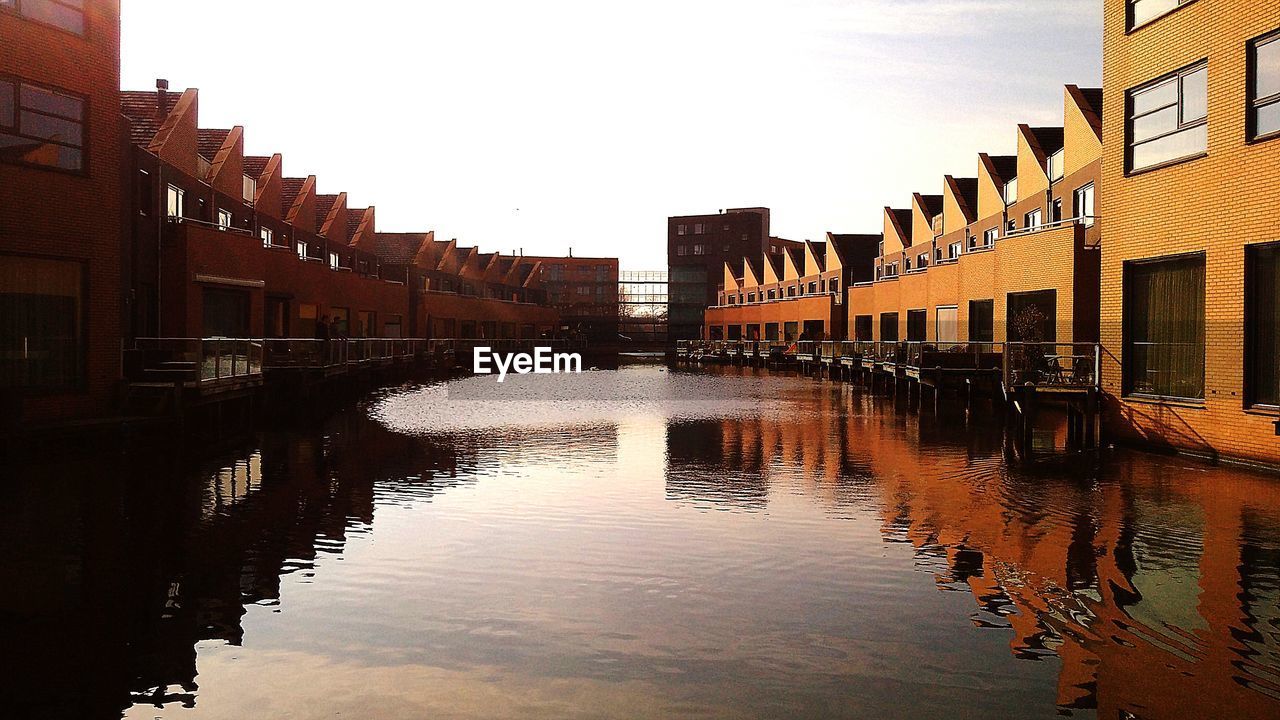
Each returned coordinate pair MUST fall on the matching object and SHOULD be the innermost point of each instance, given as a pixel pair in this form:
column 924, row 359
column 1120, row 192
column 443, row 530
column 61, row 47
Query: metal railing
column 1085, row 220
column 202, row 359
column 1047, row 364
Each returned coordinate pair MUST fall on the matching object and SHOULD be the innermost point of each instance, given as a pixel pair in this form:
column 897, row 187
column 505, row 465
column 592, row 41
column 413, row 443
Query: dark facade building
column 698, row 246
column 585, row 292
column 61, row 216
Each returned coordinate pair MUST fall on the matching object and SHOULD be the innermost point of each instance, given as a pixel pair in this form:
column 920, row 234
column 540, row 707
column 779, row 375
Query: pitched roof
column 1093, row 96
column 209, row 142
column 324, row 203
column 145, row 113
column 354, row 217
column 289, row 190
column 397, row 248
column 968, row 190
column 902, row 220
column 797, row 255
column 1051, row 139
column 1006, row 167
column 931, row 204
column 254, row 165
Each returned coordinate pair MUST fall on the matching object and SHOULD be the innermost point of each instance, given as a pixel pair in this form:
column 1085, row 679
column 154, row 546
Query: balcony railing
column 200, row 359
column 1052, row 365
column 1086, row 220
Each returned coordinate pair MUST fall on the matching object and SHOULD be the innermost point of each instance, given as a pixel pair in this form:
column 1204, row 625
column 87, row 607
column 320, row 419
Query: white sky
column 550, row 124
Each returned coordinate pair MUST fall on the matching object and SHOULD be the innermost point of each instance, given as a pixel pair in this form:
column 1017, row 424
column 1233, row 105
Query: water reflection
column 783, row 548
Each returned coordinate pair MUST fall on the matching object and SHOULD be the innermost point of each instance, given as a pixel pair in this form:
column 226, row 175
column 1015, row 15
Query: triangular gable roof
column 730, row 280
column 773, row 271
column 1082, row 123
column 146, row 110
column 792, row 263
column 959, row 203
column 1035, row 145
column 398, row 248
column 897, row 230
column 815, row 258
column 993, row 173
column 751, row 272
column 924, row 208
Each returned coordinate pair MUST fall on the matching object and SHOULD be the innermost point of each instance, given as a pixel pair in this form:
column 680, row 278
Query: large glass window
column 1264, row 95
column 982, row 320
column 1032, row 316
column 1262, row 363
column 1164, row 327
column 889, row 327
column 39, row 126
column 1169, row 119
column 41, row 323
column 948, row 324
column 1142, row 12
column 65, row 14
column 862, row 327
column 917, row 325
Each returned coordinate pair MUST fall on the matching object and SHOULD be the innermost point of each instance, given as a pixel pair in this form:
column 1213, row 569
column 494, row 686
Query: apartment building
column 796, row 289
column 1008, row 255
column 61, row 216
column 697, row 248
column 584, row 290
column 1191, row 172
column 225, row 244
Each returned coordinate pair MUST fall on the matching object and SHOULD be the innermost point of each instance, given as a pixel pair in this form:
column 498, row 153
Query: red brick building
column 61, row 217
column 228, row 245
column 584, row 290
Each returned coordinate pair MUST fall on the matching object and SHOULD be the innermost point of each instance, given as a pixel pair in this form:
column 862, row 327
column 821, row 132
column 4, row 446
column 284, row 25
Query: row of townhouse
column 1175, row 160
column 122, row 218
column 951, row 268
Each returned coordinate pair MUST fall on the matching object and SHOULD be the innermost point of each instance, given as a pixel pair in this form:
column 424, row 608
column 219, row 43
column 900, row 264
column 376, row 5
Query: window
column 224, row 219
column 63, row 14
column 1057, row 167
column 917, row 325
column 989, row 236
column 1142, row 12
column 791, row 291
column 1168, row 119
column 333, row 261
column 1055, row 211
column 1082, row 205
column 982, row 320
column 751, row 297
column 1011, row 192
column 922, row 260
column 1033, row 219
column 699, row 229
column 41, row 324
column 771, row 332
column 39, row 126
column 954, row 250
column 681, row 250
column 1164, row 306
column 889, row 327
column 1264, row 90
column 267, row 237
column 175, row 202
column 302, row 250
column 366, row 324
column 699, row 249
column 947, row 320
column 393, row 328
column 833, row 286
column 1032, row 317
column 813, row 288
column 773, row 294
column 249, row 189
column 1262, row 321
column 862, row 327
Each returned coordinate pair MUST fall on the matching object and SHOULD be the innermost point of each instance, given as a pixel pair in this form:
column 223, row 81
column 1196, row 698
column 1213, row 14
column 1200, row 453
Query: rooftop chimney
column 162, row 96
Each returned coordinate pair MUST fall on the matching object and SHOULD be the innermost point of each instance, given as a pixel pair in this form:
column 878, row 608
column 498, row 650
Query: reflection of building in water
column 1159, row 598
column 126, row 569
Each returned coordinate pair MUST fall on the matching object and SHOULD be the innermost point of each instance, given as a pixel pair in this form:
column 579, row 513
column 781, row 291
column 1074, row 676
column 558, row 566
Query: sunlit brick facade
column 1191, row 174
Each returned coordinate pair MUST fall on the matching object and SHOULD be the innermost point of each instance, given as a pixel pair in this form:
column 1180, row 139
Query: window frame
column 15, row 129
column 15, row 7
column 182, row 202
column 1250, row 336
column 1178, row 77
column 1130, row 21
column 1076, row 205
column 1126, row 368
column 1252, row 104
column 79, row 385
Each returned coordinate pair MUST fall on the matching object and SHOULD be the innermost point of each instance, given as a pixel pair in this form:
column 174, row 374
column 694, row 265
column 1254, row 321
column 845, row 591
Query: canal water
column 639, row 543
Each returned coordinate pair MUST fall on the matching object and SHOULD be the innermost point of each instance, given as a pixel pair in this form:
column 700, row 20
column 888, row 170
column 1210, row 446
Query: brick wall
column 1215, row 205
column 72, row 216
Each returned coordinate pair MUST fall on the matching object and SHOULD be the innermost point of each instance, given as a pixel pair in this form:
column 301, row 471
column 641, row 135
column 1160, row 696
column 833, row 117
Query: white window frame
column 175, row 202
